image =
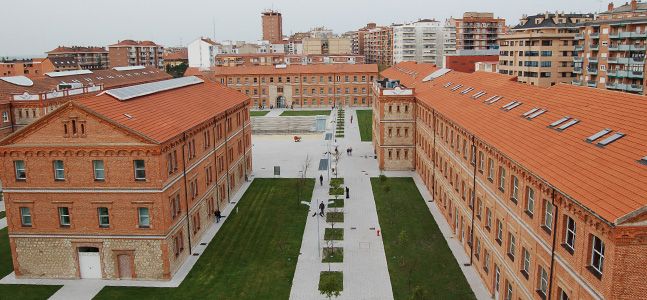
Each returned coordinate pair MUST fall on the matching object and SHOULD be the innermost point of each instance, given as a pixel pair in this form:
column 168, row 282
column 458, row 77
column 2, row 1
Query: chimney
column 634, row 5
column 610, row 7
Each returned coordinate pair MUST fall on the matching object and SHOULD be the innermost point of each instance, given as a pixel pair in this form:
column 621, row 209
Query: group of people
column 349, row 151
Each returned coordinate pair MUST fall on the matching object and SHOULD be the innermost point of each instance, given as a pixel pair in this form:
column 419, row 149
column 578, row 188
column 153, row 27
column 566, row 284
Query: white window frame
column 530, row 200
column 570, row 232
column 25, row 216
column 5, row 116
column 139, row 169
column 502, row 178
column 526, row 260
column 490, row 171
column 515, row 188
column 102, row 216
column 143, row 219
column 543, row 281
column 512, row 244
column 96, row 169
column 20, row 169
column 63, row 213
column 59, row 170
column 599, row 266
column 548, row 215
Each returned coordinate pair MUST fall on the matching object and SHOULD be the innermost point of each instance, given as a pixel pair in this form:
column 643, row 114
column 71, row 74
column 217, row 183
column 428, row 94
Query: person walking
column 347, row 193
column 321, row 180
column 351, row 119
column 218, row 215
column 321, row 209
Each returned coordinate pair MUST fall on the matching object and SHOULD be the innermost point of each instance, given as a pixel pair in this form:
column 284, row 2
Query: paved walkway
column 79, row 289
column 3, row 221
column 365, row 269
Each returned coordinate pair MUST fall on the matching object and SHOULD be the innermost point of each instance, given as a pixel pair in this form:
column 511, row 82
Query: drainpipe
column 186, row 195
column 433, row 153
column 552, row 251
column 11, row 117
column 473, row 200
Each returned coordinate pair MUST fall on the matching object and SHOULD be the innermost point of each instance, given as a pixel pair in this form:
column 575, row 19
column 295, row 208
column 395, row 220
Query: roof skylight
column 511, row 107
column 478, row 94
column 536, row 114
column 568, row 124
column 530, row 112
column 598, row 135
column 467, row 90
column 447, row 84
column 458, row 86
column 643, row 160
column 560, row 121
column 616, row 136
column 509, row 104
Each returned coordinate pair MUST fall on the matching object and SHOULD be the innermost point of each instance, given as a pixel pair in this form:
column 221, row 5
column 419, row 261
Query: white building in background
column 422, row 41
column 202, row 53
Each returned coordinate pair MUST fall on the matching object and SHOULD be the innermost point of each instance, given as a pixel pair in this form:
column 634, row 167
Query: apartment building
column 326, row 46
column 535, row 220
column 478, row 31
column 24, row 100
column 421, row 41
column 272, row 59
column 37, row 66
column 123, row 185
column 317, row 85
column 89, row 58
column 539, row 51
column 202, row 53
column 272, row 26
column 357, row 38
column 136, row 53
column 378, row 45
column 611, row 49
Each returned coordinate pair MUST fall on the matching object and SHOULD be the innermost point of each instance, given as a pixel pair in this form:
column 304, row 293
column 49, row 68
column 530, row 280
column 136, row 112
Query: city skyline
column 43, row 34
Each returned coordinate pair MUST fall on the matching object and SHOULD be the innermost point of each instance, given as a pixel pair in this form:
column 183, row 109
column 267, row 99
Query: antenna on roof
column 213, row 20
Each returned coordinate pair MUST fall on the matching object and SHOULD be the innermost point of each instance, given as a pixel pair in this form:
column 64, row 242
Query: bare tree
column 302, row 179
column 337, row 156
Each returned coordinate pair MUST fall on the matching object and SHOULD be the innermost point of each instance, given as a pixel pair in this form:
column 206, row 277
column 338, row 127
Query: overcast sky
column 31, row 27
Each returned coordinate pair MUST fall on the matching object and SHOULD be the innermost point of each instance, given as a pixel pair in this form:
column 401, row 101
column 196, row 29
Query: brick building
column 611, row 50
column 322, row 85
column 89, row 58
column 37, row 66
column 466, row 63
column 136, row 53
column 272, row 26
column 124, row 184
column 272, row 59
column 478, row 31
column 539, row 50
column 24, row 100
column 543, row 187
column 378, row 45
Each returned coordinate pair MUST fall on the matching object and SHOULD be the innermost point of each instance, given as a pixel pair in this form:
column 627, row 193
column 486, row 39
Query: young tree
column 302, row 179
column 337, row 156
column 329, row 287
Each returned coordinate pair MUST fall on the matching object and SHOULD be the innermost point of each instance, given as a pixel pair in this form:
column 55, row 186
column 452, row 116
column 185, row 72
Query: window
column 543, row 283
column 140, row 169
column 502, row 179
column 597, row 255
column 512, row 247
column 530, row 201
column 486, row 260
column 19, row 165
column 144, row 217
column 548, row 216
column 5, row 116
column 175, row 206
column 569, row 236
column 508, row 291
column 477, row 249
column 99, row 171
column 563, row 295
column 526, row 263
column 499, row 231
column 490, row 171
column 479, row 207
column 488, row 219
column 481, row 161
column 59, row 170
column 25, row 216
column 64, row 216
column 515, row 189
column 104, row 217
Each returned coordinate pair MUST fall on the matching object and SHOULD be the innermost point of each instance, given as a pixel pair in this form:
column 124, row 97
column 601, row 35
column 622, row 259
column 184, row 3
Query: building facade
column 478, row 31
column 534, row 223
column 202, row 53
column 421, row 41
column 119, row 198
column 539, row 51
column 136, row 53
column 272, row 26
column 378, row 45
column 318, row 85
column 611, row 50
column 37, row 66
column 89, row 58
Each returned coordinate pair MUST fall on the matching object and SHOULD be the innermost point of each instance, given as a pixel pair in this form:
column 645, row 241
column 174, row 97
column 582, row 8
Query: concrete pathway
column 3, row 221
column 79, row 289
column 365, row 269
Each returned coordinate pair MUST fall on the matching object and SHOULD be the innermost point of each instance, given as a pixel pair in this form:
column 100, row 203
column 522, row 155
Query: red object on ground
column 378, row 232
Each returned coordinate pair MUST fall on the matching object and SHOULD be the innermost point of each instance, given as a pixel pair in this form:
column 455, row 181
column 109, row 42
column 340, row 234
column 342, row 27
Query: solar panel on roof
column 598, row 135
column 68, row 73
column 129, row 92
column 560, row 121
column 616, row 136
column 568, row 124
column 536, row 114
column 530, row 112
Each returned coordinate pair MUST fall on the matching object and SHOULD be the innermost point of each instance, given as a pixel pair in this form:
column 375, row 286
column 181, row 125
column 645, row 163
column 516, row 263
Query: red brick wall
column 466, row 63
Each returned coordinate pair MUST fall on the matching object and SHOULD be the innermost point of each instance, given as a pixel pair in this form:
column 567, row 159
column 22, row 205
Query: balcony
column 612, row 60
column 635, row 74
column 613, row 86
column 634, row 88
column 614, row 35
column 579, row 36
column 594, row 47
column 591, row 83
column 613, row 48
column 577, row 70
column 594, row 35
column 638, row 35
column 593, row 59
column 591, row 71
column 576, row 82
column 579, row 48
column 577, row 59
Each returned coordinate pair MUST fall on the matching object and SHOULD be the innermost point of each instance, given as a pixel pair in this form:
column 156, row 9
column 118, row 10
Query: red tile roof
column 296, row 69
column 607, row 180
column 164, row 115
column 133, row 43
column 109, row 78
column 76, row 49
column 179, row 55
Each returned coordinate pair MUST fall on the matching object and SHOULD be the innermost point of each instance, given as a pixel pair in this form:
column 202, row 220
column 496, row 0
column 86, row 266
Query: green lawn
column 254, row 254
column 334, row 234
column 293, row 113
column 333, row 255
column 365, row 121
column 338, row 203
column 417, row 254
column 334, row 217
column 16, row 292
column 258, row 113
